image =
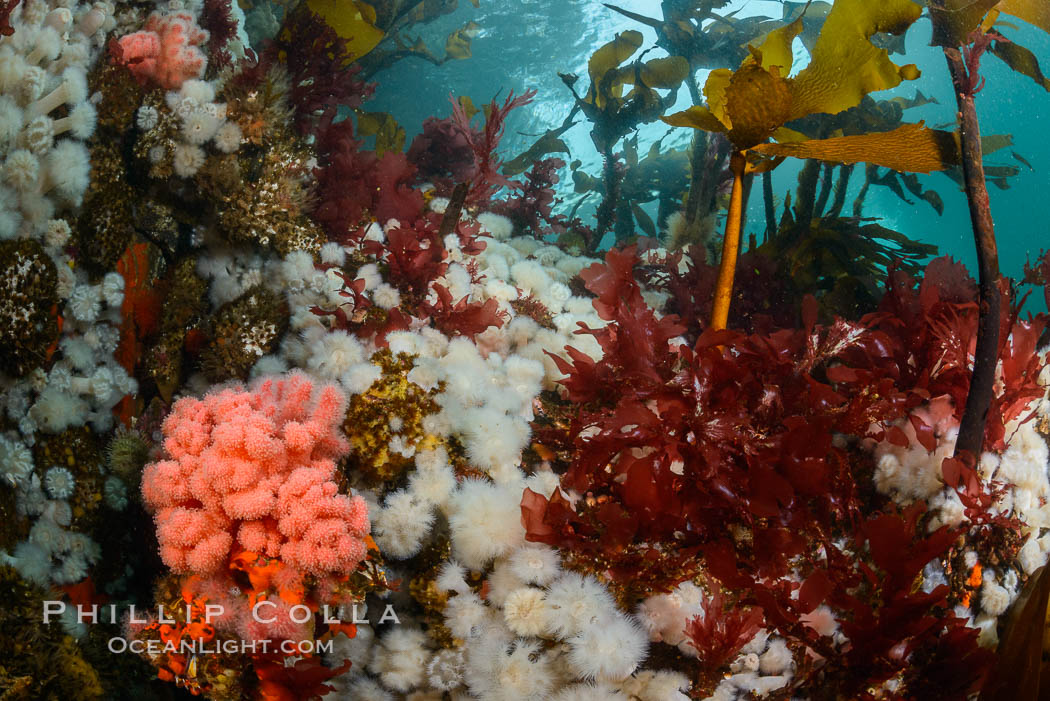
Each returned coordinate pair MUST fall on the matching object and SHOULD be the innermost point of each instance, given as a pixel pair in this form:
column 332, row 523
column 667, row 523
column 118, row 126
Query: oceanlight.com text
column 215, row 647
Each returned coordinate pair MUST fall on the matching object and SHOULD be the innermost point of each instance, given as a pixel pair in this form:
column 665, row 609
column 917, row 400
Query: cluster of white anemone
column 85, row 382
column 81, row 387
column 46, row 116
column 53, row 553
column 201, row 120
column 45, row 111
column 541, row 633
column 911, row 473
column 45, row 171
column 763, row 665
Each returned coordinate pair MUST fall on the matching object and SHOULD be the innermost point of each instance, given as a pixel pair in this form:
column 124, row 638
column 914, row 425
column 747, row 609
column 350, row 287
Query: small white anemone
column 59, row 482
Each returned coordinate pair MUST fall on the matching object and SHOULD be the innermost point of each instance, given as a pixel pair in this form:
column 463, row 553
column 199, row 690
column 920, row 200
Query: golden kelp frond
column 608, row 58
column 909, row 148
column 696, row 117
column 813, row 14
column 390, row 136
column 845, row 65
column 377, row 31
column 753, row 101
column 352, row 20
column 664, row 73
column 715, row 92
column 457, row 45
column 776, row 49
column 759, row 102
column 550, row 142
column 614, row 111
column 784, row 135
column 750, row 104
column 467, row 105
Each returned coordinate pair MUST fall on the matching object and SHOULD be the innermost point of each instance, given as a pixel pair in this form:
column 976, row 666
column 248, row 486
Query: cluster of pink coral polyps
column 253, row 469
column 166, row 50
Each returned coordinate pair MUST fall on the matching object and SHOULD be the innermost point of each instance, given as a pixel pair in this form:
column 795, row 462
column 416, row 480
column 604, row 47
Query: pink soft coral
column 166, row 51
column 254, row 469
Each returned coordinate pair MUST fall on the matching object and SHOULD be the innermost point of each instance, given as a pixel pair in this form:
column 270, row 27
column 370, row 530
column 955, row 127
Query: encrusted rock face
column 77, row 451
column 28, row 321
column 121, row 96
column 393, row 406
column 182, row 313
column 55, row 655
column 243, row 331
column 268, row 207
column 104, row 228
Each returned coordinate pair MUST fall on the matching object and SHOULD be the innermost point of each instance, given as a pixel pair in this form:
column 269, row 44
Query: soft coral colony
column 379, row 423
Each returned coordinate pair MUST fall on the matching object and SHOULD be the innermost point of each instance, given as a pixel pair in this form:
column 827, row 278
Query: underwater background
column 524, row 45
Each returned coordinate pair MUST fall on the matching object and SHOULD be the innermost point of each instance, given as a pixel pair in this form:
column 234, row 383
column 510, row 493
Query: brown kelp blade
column 1022, row 61
column 1018, row 674
column 1035, row 12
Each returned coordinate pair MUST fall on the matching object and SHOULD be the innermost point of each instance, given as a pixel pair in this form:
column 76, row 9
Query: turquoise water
column 524, row 45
